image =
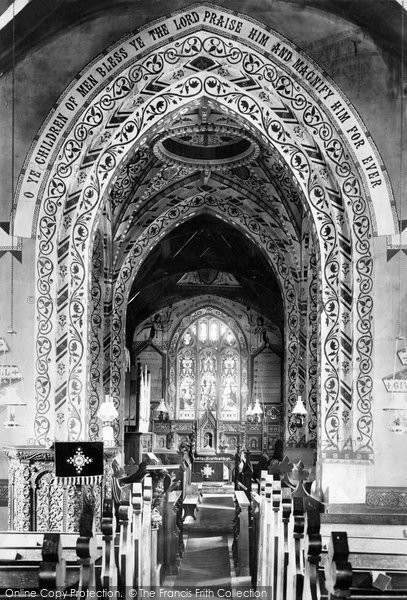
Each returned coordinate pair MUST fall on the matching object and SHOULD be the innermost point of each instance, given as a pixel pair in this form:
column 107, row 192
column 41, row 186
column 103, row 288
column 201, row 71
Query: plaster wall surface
column 21, row 344
column 389, row 468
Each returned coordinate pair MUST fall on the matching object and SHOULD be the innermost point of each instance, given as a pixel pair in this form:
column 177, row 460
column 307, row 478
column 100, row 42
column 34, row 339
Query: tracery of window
column 208, row 370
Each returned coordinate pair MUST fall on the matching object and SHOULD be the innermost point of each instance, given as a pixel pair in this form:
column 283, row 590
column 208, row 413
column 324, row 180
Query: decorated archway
column 122, row 103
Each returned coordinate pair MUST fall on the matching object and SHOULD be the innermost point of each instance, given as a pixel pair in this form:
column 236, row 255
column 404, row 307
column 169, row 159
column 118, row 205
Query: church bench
column 35, row 564
column 375, row 554
column 194, row 489
column 241, row 538
column 172, row 533
column 22, row 561
column 363, row 567
column 108, row 572
column 149, row 542
column 355, row 560
column 365, row 530
column 190, row 505
column 372, row 544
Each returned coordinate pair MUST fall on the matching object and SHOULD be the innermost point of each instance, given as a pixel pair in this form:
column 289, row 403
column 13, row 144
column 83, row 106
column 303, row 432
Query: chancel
column 203, row 256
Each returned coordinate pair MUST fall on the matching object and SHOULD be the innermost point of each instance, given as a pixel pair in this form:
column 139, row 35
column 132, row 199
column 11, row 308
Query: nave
column 165, row 537
column 203, row 249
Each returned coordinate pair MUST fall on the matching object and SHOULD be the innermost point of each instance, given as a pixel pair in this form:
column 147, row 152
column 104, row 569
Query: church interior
column 203, row 320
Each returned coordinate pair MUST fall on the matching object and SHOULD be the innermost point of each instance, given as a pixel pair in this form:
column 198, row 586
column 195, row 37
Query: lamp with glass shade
column 162, row 411
column 299, row 413
column 11, row 399
column 257, row 410
column 107, row 413
column 249, row 413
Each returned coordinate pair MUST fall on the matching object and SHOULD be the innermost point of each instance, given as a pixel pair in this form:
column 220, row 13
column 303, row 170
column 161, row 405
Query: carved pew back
column 47, row 560
column 288, row 546
column 149, row 542
column 366, row 566
column 109, row 570
column 240, row 546
column 277, row 548
column 172, row 533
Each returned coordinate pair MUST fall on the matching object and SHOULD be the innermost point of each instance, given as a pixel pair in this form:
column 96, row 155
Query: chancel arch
column 286, row 107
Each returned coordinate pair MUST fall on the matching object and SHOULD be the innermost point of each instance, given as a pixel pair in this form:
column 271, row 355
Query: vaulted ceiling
column 209, row 246
column 204, row 152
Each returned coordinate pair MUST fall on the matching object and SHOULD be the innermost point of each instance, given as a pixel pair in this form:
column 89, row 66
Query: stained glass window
column 209, row 370
column 203, row 331
column 229, row 385
column 214, row 331
column 187, row 386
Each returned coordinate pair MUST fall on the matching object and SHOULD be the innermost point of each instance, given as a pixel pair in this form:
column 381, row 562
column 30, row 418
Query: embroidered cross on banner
column 79, row 462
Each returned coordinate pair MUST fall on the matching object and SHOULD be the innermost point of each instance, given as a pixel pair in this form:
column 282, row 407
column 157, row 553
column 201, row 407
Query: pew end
column 190, row 505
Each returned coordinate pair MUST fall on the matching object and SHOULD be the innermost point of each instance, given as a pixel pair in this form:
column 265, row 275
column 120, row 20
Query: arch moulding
column 103, row 102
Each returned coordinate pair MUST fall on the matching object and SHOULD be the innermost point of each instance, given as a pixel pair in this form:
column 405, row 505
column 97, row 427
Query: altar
column 211, row 468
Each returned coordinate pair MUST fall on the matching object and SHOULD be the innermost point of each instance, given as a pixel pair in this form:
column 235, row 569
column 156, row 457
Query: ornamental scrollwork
column 295, row 99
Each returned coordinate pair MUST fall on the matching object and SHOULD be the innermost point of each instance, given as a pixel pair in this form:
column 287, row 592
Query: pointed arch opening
column 302, row 128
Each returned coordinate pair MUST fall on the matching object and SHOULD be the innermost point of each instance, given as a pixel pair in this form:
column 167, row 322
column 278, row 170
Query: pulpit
column 40, row 502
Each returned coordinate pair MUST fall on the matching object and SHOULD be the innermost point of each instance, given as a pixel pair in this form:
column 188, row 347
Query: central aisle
column 206, row 563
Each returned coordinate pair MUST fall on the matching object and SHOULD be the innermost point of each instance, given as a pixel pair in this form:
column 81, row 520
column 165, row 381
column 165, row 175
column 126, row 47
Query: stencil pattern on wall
column 284, row 111
column 96, row 323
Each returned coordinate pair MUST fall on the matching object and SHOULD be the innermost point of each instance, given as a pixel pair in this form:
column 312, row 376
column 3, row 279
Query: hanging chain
column 13, row 207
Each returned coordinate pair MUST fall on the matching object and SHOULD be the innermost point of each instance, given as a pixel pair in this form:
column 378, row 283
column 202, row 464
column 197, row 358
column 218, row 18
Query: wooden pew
column 172, row 539
column 22, row 556
column 137, row 531
column 146, row 546
column 125, row 559
column 241, row 539
column 190, row 505
column 377, row 565
column 51, row 560
column 34, row 561
column 312, row 550
column 277, row 541
column 87, row 549
column 366, row 561
column 148, row 560
column 289, row 557
column 108, row 575
column 149, row 544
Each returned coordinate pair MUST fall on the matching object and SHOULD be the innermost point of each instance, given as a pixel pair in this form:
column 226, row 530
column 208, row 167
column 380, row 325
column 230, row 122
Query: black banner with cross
column 79, row 462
